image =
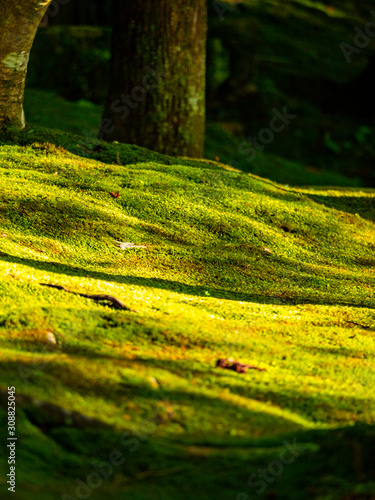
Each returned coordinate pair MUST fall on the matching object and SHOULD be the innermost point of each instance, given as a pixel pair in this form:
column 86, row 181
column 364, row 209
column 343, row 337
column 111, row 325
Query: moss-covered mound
column 229, row 266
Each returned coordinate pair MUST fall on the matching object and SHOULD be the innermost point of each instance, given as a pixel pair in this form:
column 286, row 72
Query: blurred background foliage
column 261, row 55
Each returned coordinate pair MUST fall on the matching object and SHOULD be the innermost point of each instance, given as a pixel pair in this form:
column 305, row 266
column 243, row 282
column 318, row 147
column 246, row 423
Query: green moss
column 235, row 266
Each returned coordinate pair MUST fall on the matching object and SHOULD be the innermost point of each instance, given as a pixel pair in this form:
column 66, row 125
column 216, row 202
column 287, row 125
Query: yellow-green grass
column 235, row 266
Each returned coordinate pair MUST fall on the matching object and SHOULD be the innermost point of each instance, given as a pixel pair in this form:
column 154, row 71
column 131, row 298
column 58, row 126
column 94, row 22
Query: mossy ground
column 235, row 266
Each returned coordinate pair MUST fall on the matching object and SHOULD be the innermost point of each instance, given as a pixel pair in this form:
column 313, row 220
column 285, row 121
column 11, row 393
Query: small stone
column 154, row 382
column 51, row 338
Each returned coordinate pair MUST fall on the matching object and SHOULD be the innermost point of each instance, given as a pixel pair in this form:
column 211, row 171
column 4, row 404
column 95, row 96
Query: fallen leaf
column 236, row 366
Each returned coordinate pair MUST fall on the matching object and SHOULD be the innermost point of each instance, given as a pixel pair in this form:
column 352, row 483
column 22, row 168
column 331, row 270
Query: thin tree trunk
column 19, row 21
column 157, row 84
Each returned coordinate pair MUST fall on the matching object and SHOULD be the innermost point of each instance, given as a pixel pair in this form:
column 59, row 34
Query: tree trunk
column 18, row 24
column 156, row 96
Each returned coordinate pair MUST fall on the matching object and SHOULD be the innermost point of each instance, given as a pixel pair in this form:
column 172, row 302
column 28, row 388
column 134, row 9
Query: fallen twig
column 125, row 245
column 117, row 304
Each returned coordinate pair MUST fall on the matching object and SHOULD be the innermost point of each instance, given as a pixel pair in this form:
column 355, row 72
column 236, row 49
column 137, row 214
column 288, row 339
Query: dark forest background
column 260, row 56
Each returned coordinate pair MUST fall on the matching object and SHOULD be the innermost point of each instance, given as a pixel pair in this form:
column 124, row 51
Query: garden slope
column 235, row 266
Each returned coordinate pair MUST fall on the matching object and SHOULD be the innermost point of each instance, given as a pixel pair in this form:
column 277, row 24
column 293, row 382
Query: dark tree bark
column 156, row 97
column 18, row 24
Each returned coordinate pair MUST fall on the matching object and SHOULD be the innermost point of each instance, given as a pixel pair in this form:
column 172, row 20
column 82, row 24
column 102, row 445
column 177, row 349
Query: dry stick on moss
column 115, row 302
